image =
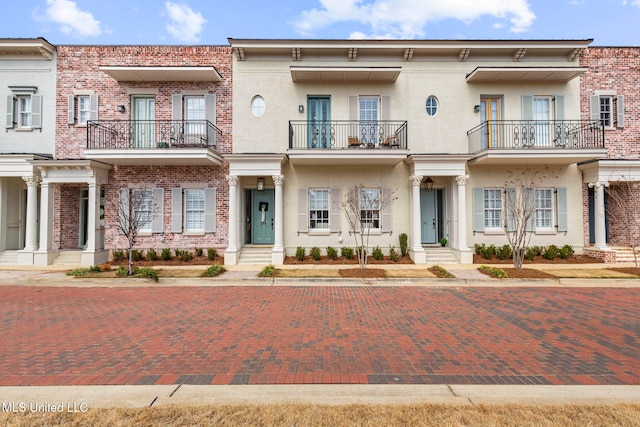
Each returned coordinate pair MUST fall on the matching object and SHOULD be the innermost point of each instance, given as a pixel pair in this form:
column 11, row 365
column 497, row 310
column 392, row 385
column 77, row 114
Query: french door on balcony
column 491, row 114
column 143, row 115
column 542, row 117
column 319, row 118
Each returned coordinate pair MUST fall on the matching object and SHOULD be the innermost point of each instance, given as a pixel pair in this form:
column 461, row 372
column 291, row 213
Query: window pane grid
column 319, row 209
column 194, row 210
column 84, row 109
column 605, row 111
column 143, row 208
column 370, row 208
column 544, row 205
column 493, row 208
column 24, row 111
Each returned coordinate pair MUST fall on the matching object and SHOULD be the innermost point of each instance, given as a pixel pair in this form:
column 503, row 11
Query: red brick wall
column 624, row 214
column 167, row 177
column 615, row 69
column 78, row 69
column 66, row 216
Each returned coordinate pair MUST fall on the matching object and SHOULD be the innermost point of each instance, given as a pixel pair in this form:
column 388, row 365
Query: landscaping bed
column 342, row 260
column 366, row 273
column 575, row 259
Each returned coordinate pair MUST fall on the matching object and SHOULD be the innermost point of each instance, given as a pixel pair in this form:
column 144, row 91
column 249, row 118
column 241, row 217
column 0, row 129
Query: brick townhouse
column 610, row 92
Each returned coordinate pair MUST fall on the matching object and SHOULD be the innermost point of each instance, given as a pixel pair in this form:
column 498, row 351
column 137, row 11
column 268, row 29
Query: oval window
column 431, row 106
column 257, row 106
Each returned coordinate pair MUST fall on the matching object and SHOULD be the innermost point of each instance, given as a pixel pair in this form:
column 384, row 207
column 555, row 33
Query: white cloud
column 185, row 24
column 408, row 18
column 71, row 19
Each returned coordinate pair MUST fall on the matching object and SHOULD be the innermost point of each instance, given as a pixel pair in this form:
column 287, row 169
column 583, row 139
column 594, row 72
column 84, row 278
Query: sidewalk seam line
column 174, row 391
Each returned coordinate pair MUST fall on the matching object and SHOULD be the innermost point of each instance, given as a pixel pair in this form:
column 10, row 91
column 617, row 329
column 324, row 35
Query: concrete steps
column 255, row 255
column 625, row 254
column 440, row 255
column 8, row 258
column 68, row 258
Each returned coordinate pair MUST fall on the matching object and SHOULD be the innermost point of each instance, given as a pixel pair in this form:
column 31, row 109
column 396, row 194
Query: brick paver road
column 319, row 334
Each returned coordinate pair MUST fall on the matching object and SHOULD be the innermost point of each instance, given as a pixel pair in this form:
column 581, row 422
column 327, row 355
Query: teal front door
column 428, row 215
column 319, row 117
column 262, row 221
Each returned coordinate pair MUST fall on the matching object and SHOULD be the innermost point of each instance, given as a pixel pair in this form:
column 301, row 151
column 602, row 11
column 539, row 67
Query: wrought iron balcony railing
column 151, row 134
column 343, row 134
column 535, row 134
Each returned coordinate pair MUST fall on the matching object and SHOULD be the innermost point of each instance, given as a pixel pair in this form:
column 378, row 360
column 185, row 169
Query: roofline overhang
column 162, row 74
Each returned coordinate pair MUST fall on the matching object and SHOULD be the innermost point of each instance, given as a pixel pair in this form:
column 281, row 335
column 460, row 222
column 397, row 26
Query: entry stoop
column 68, row 258
column 255, row 255
column 625, row 254
column 440, row 255
column 8, row 258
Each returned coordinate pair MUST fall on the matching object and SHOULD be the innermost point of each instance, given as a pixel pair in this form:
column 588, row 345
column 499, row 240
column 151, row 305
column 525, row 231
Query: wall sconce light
column 121, row 109
column 260, row 184
column 427, row 183
column 476, row 108
column 300, row 108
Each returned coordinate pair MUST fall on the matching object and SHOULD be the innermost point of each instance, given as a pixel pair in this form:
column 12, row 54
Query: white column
column 92, row 216
column 416, row 250
column 599, row 217
column 230, row 256
column 46, row 218
column 31, row 232
column 278, row 247
column 461, row 181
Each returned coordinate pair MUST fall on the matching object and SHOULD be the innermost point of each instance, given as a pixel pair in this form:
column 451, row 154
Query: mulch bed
column 202, row 260
column 523, row 273
column 366, row 273
column 576, row 259
column 627, row 270
column 341, row 260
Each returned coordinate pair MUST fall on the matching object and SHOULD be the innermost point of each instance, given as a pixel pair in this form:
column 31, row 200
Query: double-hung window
column 544, row 209
column 370, row 207
column 318, row 209
column 194, row 210
column 608, row 108
column 143, row 209
column 606, row 111
column 84, row 109
column 24, row 111
column 24, row 108
column 493, row 208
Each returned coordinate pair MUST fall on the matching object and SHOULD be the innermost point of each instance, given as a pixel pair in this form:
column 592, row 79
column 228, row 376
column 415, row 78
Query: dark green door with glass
column 262, row 220
column 319, row 118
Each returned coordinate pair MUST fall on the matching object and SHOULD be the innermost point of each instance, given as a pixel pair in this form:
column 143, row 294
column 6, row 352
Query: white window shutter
column 210, row 210
column 10, row 114
column 620, row 110
column 176, row 107
column 93, row 107
column 303, row 210
column 478, row 209
column 336, row 210
column 387, row 212
column 210, row 107
column 157, row 225
column 563, row 223
column 594, row 108
column 36, row 111
column 124, row 216
column 71, row 110
column 176, row 210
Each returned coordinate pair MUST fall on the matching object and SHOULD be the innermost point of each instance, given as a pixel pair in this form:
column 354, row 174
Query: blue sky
column 608, row 22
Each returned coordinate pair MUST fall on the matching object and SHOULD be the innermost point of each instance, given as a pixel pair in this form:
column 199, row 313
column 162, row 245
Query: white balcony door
column 143, row 128
column 542, row 117
column 369, row 114
column 194, row 117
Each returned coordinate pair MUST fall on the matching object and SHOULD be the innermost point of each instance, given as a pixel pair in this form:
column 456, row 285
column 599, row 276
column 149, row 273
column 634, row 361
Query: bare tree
column 135, row 211
column 620, row 196
column 520, row 206
column 364, row 209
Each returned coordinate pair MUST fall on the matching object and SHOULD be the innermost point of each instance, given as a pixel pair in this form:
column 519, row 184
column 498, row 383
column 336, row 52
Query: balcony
column 153, row 142
column 347, row 142
column 536, row 141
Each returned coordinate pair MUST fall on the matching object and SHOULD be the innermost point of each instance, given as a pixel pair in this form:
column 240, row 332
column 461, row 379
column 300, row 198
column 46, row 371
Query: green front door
column 319, row 117
column 262, row 221
column 428, row 215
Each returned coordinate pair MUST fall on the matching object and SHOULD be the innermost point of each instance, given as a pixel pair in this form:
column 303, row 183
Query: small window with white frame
column 493, row 208
column 319, row 209
column 544, row 209
column 24, row 108
column 606, row 111
column 194, row 210
column 24, row 111
column 143, row 209
column 370, row 208
column 84, row 109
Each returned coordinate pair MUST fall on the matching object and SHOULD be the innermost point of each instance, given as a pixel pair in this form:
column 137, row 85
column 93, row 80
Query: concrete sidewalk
column 138, row 396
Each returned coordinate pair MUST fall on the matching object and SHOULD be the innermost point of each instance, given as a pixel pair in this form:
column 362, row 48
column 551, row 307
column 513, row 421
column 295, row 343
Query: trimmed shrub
column 136, row 255
column 503, row 252
column 346, row 252
column 403, row 243
column 78, row 272
column 165, row 254
column 393, row 254
column 551, row 252
column 186, row 256
column 198, row 252
column 377, row 253
column 332, row 253
column 214, row 270
column 566, row 252
column 496, row 273
column 146, row 272
column 122, row 271
column 488, row 252
column 152, row 255
column 315, row 253
column 300, row 253
column 211, row 254
column 268, row 271
column 118, row 255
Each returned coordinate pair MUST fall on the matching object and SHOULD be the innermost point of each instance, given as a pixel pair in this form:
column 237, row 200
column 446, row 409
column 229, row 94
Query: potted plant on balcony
column 443, row 242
